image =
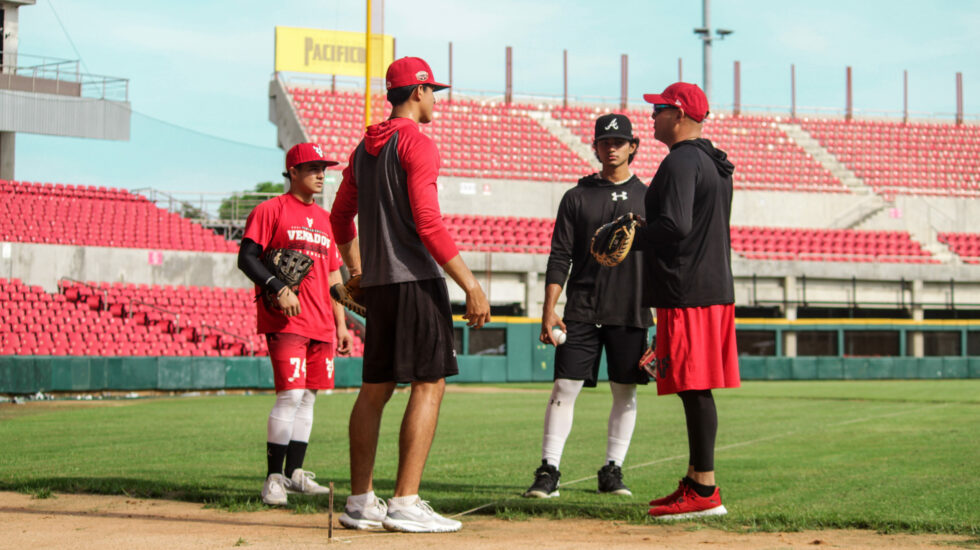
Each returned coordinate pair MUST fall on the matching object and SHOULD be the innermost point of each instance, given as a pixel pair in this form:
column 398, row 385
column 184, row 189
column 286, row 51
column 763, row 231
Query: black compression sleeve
column 251, row 266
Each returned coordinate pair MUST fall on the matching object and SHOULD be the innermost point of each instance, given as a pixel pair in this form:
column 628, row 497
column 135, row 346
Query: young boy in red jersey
column 303, row 331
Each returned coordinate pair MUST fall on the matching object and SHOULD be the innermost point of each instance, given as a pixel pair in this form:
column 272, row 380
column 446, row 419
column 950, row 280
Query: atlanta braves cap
column 410, row 71
column 613, row 126
column 306, row 152
column 686, row 96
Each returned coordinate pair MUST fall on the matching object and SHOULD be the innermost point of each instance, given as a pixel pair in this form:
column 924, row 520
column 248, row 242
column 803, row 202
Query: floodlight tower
column 704, row 31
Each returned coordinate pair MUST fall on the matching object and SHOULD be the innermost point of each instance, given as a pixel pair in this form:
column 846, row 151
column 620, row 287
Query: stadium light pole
column 704, row 32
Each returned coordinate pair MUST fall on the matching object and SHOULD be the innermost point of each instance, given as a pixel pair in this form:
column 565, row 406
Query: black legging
column 702, row 425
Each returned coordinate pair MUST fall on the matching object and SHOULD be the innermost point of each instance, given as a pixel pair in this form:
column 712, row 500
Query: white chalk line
column 679, row 457
column 725, row 448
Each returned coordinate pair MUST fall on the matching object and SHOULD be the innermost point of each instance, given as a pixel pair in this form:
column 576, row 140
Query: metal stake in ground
column 330, row 515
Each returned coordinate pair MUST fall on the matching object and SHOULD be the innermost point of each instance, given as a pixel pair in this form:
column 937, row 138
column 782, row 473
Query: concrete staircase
column 861, row 211
column 566, row 136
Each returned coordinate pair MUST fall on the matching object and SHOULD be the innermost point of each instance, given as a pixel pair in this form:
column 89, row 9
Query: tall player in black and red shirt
column 305, row 330
column 390, row 184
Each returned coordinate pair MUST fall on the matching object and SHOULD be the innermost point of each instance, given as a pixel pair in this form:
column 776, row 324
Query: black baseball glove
column 612, row 242
column 290, row 267
column 350, row 295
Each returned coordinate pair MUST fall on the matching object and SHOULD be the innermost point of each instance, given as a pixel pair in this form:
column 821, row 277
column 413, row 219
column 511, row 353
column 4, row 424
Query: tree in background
column 238, row 207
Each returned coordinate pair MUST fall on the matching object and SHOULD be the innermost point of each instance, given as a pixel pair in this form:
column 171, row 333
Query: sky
column 199, row 70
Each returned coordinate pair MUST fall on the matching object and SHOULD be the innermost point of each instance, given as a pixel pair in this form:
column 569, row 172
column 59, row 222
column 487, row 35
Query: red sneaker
column 671, row 497
column 690, row 505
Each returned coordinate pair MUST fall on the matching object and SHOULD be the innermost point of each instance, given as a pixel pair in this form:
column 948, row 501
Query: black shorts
column 578, row 358
column 409, row 336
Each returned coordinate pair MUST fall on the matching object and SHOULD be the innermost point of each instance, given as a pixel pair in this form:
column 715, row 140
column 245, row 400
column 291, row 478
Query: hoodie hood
column 719, row 157
column 595, row 180
column 378, row 134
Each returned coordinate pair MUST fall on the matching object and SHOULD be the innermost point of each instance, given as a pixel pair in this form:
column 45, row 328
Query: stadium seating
column 896, row 158
column 475, row 139
column 500, row 233
column 765, row 157
column 964, row 245
column 124, row 320
column 97, row 216
column 827, row 245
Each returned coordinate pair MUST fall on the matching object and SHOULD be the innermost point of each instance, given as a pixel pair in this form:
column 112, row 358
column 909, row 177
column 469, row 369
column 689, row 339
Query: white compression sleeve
column 622, row 420
column 303, row 424
column 558, row 418
column 282, row 416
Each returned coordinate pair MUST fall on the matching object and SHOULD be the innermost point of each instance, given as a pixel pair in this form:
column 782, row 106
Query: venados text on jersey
column 308, row 236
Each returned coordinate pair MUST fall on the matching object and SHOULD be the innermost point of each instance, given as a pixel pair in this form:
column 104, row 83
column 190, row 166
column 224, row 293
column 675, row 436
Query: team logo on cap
column 319, row 152
column 613, row 125
column 422, row 76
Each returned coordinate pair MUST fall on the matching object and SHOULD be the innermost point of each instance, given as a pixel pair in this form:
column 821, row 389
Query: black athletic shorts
column 578, row 358
column 409, row 336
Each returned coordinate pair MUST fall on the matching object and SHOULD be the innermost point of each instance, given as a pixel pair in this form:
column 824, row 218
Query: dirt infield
column 115, row 522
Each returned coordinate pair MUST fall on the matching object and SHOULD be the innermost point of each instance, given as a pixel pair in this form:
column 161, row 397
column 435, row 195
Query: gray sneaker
column 274, row 490
column 368, row 517
column 302, row 483
column 419, row 518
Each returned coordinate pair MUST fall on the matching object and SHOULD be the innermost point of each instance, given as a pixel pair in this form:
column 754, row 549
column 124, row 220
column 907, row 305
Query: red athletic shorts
column 696, row 349
column 299, row 362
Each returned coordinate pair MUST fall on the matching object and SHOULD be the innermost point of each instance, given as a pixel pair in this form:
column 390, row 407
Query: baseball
column 558, row 335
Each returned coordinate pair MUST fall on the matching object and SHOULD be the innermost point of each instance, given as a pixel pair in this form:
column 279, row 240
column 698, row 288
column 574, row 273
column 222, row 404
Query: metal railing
column 201, row 336
column 105, row 293
column 42, row 68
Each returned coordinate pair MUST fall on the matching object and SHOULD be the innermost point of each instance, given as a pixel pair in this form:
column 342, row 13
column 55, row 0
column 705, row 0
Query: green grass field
column 891, row 455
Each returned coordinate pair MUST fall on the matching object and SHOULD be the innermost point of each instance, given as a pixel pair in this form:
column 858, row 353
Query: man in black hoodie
column 602, row 309
column 688, row 278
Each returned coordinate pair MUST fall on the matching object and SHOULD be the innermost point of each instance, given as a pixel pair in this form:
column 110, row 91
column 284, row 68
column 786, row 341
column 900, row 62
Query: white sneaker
column 302, row 483
column 418, row 518
column 368, row 517
column 274, row 490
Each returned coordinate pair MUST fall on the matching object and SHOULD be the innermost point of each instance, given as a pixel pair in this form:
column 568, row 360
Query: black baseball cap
column 613, row 126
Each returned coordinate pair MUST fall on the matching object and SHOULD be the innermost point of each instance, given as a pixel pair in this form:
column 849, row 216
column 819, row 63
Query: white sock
column 402, row 502
column 303, row 421
column 558, row 418
column 280, row 427
column 361, row 500
column 622, row 420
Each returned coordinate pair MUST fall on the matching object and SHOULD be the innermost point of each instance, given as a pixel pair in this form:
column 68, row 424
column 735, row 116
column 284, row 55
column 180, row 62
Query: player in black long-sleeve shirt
column 688, row 279
column 602, row 309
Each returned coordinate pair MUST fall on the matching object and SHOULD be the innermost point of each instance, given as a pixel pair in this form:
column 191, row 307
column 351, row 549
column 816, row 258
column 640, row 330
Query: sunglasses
column 661, row 107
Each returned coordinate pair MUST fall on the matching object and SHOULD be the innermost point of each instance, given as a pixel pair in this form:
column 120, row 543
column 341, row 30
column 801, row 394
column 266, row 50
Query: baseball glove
column 289, row 266
column 611, row 242
column 350, row 295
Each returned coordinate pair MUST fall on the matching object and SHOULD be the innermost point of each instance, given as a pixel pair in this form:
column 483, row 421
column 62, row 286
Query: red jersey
column 286, row 222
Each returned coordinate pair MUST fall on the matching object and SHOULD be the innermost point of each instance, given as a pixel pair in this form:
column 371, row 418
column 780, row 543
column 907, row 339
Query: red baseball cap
column 306, row 152
column 409, row 71
column 688, row 97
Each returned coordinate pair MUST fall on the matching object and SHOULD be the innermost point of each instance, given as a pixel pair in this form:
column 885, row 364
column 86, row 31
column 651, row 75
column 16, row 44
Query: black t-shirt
column 687, row 238
column 596, row 293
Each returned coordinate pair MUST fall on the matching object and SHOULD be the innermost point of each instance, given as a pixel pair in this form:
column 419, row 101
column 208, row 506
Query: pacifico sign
column 330, row 52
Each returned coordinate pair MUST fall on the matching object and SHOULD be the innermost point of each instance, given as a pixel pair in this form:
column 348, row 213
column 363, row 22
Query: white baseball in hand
column 559, row 335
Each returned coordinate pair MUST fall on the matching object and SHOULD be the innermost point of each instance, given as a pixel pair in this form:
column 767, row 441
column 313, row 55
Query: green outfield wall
column 502, row 352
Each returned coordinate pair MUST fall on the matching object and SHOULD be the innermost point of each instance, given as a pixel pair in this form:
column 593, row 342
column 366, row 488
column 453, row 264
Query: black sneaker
column 545, row 482
column 611, row 480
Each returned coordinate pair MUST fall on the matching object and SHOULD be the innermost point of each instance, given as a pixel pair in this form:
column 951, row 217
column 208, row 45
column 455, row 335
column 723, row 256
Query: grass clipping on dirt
column 893, row 456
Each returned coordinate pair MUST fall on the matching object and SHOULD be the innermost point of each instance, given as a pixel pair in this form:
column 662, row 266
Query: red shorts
column 300, row 363
column 696, row 349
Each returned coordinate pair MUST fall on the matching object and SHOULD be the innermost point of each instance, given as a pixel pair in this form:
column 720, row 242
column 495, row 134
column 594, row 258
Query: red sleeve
column 334, row 261
column 345, row 206
column 261, row 222
column 420, row 159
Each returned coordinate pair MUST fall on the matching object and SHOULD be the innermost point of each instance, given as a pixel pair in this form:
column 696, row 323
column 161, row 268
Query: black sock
column 703, row 491
column 295, row 453
column 275, row 454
